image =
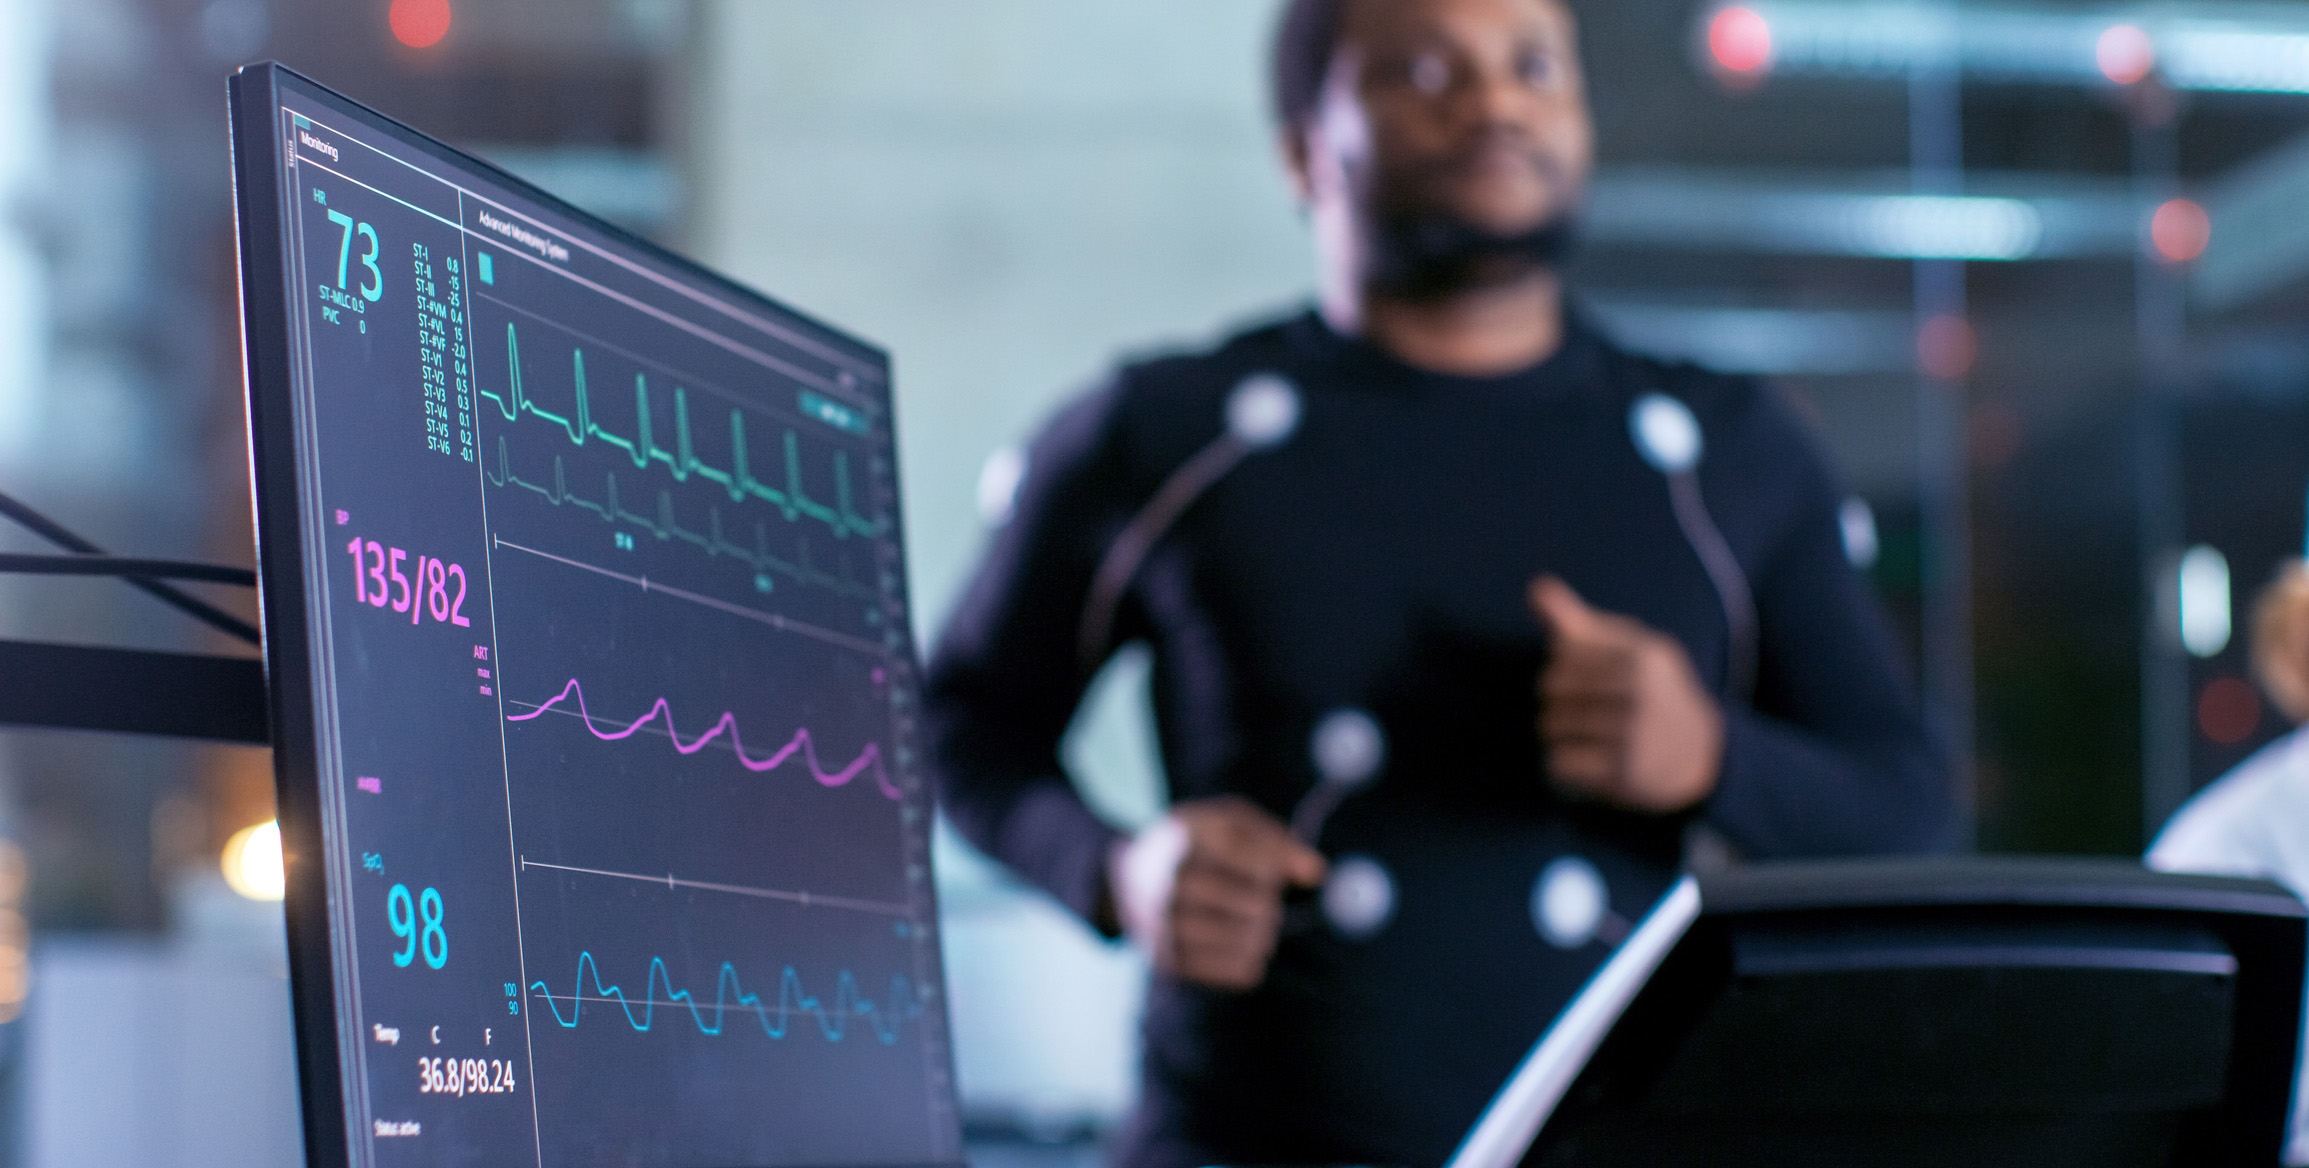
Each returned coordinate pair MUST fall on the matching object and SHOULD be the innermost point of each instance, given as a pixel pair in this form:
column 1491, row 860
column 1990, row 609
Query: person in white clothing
column 2254, row 821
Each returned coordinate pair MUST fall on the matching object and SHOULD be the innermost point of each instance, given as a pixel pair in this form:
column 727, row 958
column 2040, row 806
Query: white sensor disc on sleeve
column 1665, row 433
column 1263, row 410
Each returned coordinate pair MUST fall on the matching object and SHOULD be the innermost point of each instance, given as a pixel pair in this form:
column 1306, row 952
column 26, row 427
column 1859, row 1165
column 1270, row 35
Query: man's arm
column 1832, row 756
column 1004, row 680
column 1201, row 890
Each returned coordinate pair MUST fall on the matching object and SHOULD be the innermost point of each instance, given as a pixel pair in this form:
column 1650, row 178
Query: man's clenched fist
column 1202, row 889
column 1622, row 714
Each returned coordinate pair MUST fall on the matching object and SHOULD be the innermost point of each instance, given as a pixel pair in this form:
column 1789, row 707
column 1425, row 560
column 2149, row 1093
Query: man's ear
column 1291, row 143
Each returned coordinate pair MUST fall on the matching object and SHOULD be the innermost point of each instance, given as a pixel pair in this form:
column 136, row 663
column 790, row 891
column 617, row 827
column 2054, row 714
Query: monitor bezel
column 277, row 491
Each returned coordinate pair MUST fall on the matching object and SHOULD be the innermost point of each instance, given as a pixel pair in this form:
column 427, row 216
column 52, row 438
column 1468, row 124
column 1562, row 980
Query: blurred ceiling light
column 1781, row 341
column 2180, row 230
column 2204, row 595
column 419, row 24
column 1942, row 227
column 2014, row 217
column 252, row 862
column 2237, row 57
column 2125, row 54
column 1740, row 40
column 2261, row 48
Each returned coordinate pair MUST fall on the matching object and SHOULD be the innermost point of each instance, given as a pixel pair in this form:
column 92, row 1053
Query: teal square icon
column 488, row 268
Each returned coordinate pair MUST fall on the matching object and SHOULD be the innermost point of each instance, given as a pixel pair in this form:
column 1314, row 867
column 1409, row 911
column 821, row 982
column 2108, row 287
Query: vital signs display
column 593, row 680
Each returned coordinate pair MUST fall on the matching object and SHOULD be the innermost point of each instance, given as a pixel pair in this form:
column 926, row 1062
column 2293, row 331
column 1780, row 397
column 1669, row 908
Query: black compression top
column 1377, row 560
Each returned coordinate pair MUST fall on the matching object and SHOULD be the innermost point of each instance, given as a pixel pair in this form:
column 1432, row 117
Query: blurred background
column 2037, row 275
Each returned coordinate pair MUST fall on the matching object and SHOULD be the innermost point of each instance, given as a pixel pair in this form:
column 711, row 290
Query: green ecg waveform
column 682, row 461
column 666, row 527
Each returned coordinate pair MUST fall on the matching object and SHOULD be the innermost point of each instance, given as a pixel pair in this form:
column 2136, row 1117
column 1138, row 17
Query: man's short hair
column 1305, row 40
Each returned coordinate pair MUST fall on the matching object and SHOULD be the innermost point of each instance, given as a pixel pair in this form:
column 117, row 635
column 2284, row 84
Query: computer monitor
column 591, row 674
column 1990, row 1012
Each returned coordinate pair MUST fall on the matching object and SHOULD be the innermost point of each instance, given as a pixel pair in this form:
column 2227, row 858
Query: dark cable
column 64, row 537
column 1724, row 571
column 127, row 566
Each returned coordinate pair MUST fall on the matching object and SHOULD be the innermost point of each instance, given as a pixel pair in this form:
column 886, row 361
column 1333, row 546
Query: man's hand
column 1622, row 714
column 1202, row 889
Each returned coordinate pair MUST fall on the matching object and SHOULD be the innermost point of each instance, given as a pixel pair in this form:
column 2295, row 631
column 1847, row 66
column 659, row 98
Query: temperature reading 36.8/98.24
column 464, row 1076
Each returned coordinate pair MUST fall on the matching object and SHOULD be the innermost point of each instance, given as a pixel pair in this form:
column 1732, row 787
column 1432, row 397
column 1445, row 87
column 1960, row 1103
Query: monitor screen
column 592, row 680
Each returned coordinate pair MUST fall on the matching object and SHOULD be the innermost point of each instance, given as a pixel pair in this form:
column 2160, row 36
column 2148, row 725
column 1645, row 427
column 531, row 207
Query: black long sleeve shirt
column 1378, row 560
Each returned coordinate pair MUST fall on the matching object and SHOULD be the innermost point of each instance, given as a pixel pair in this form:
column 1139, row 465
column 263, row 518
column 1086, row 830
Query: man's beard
column 1431, row 255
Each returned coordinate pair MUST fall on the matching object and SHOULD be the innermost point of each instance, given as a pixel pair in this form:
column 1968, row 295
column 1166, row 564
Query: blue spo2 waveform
column 834, row 1019
column 626, row 848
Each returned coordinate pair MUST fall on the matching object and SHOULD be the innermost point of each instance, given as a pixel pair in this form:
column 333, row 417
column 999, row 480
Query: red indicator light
column 2180, row 230
column 2228, row 711
column 1946, row 347
column 419, row 24
column 1740, row 40
column 2125, row 54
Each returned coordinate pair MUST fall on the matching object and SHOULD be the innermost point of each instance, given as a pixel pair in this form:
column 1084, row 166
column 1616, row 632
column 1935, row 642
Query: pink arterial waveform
column 869, row 759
